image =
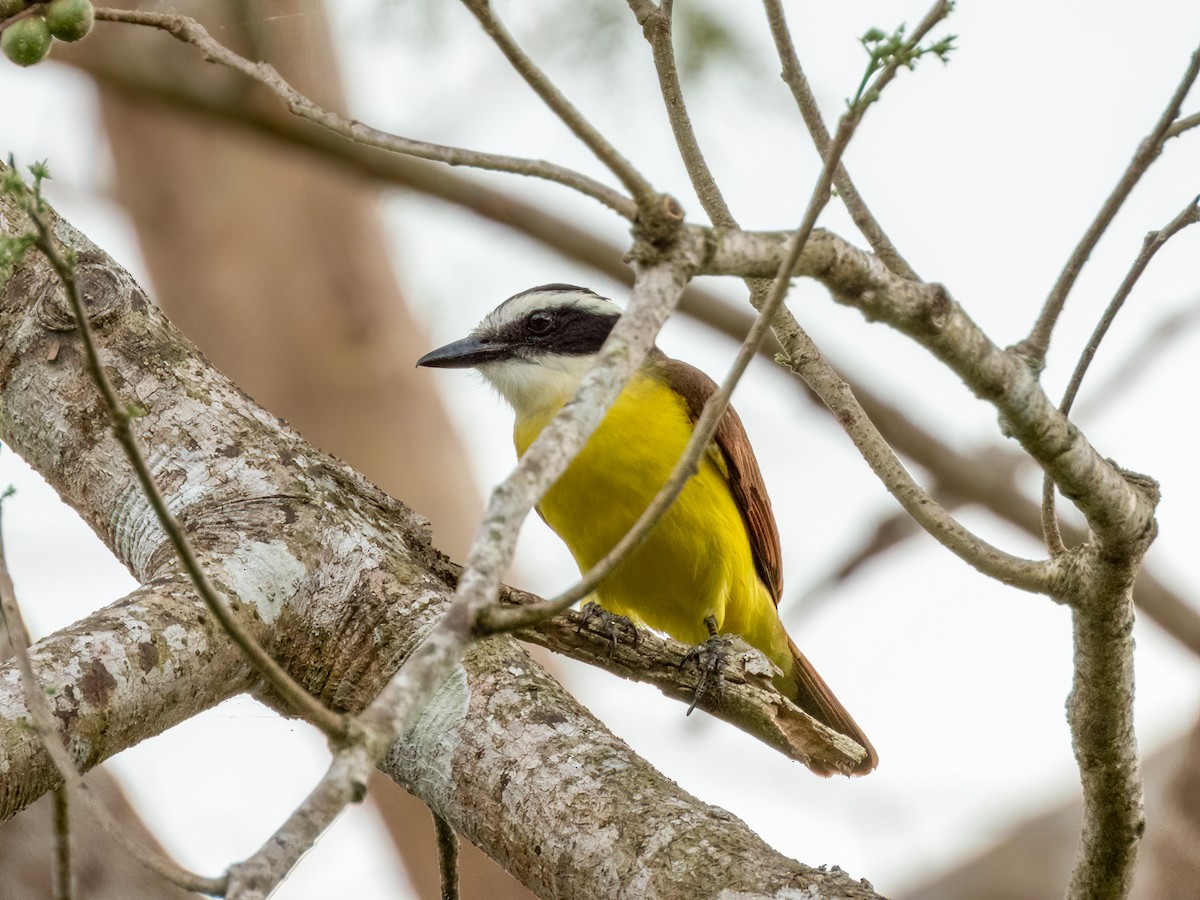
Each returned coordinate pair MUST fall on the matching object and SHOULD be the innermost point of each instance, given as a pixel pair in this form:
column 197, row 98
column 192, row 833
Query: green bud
column 70, row 20
column 10, row 8
column 26, row 41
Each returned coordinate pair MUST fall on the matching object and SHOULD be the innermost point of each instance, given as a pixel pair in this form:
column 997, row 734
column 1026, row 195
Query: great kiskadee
column 712, row 565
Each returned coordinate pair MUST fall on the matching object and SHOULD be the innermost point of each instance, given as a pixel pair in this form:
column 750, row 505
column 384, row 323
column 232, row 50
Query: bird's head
column 536, row 346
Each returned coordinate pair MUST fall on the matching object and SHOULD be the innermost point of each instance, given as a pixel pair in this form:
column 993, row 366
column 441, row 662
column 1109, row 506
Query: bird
column 713, row 565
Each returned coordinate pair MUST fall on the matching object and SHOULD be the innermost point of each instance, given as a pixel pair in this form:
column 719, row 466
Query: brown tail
column 815, row 698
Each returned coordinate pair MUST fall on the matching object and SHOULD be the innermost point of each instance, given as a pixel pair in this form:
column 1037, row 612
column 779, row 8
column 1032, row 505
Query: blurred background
column 316, row 278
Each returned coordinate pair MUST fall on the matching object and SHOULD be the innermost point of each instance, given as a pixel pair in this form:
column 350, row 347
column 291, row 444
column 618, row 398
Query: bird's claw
column 611, row 625
column 710, row 657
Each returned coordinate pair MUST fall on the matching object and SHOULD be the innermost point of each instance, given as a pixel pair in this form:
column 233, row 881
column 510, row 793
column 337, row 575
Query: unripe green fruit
column 10, row 8
column 26, row 41
column 70, row 20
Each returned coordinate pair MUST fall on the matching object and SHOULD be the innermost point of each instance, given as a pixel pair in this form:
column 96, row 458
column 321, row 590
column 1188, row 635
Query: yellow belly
column 697, row 561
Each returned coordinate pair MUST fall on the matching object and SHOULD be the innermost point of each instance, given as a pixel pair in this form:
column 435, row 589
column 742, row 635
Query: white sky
column 985, row 173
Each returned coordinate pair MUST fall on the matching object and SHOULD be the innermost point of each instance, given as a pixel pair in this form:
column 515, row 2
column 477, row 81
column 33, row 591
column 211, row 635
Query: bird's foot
column 610, row 625
column 710, row 658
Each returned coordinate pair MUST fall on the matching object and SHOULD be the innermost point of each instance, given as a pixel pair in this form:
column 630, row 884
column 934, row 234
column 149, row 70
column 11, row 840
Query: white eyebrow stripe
column 520, row 305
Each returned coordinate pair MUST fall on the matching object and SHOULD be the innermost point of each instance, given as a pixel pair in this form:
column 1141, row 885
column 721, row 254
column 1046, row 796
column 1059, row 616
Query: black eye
column 539, row 323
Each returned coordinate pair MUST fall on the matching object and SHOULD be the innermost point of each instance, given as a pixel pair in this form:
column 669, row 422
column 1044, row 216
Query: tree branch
column 447, row 842
column 189, row 31
column 1150, row 246
column 793, row 76
column 1035, row 346
column 643, row 193
column 1119, row 512
column 1100, row 713
column 656, row 26
column 45, row 730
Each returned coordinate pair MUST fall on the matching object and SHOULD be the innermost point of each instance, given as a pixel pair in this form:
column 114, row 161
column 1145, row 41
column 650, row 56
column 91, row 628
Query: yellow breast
column 697, row 561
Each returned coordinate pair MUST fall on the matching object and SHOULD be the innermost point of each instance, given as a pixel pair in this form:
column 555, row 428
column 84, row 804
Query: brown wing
column 745, row 479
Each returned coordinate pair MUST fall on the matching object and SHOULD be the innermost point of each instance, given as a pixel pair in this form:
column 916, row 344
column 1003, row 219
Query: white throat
column 540, row 385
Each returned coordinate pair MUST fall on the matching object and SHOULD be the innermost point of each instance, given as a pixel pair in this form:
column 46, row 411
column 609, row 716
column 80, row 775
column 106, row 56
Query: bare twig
column 1154, row 241
column 344, row 782
column 1034, row 347
column 656, row 26
column 1051, row 533
column 793, row 75
column 806, row 361
column 46, row 726
column 633, row 180
column 192, row 32
column 1151, row 347
column 1119, row 510
column 447, row 844
column 1182, row 125
column 62, row 875
column 303, row 703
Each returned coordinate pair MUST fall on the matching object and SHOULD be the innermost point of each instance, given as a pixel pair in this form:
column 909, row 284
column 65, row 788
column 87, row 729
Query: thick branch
column 153, row 656
column 1100, row 711
column 1120, row 513
column 552, row 777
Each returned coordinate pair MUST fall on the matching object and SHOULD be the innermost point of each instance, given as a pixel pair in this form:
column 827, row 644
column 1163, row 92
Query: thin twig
column 303, row 703
column 643, row 193
column 1118, row 509
column 46, row 726
column 240, row 109
column 1150, row 348
column 1182, row 125
column 656, row 26
column 344, row 782
column 1035, row 346
column 793, row 75
column 1153, row 242
column 62, row 875
column 447, row 844
column 806, row 360
column 1051, row 532
column 189, row 31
